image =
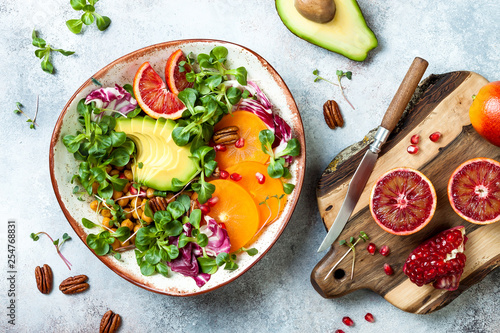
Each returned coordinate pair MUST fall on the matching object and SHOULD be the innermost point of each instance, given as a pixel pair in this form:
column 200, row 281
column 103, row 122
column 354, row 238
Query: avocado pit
column 319, row 11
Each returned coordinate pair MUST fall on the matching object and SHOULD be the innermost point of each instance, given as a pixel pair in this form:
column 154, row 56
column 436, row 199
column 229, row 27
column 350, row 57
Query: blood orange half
column 474, row 190
column 153, row 96
column 176, row 80
column 403, row 201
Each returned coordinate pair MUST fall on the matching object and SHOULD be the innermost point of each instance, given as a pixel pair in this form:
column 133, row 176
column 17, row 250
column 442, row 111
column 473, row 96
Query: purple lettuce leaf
column 112, row 98
column 218, row 239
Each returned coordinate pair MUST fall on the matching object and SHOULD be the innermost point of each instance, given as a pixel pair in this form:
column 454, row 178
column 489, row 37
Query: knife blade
column 353, row 193
column 365, row 168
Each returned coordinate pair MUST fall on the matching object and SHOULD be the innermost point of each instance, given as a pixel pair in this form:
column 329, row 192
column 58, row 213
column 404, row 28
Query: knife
column 365, row 168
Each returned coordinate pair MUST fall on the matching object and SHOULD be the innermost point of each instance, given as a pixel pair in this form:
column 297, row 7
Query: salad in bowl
column 179, row 165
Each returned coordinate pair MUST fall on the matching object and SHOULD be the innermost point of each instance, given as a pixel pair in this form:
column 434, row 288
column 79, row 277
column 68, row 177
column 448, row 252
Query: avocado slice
column 162, row 159
column 346, row 34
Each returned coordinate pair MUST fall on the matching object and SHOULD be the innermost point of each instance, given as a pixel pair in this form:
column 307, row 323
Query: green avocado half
column 346, row 34
column 159, row 159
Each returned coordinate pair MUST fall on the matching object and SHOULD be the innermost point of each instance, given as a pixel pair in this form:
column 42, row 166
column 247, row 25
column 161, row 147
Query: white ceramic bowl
column 122, row 71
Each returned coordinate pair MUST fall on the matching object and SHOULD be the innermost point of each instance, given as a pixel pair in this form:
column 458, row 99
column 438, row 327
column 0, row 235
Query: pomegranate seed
column 371, row 248
column 236, row 177
column 223, row 174
column 388, row 269
column 435, row 136
column 415, row 139
column 339, row 331
column 369, row 317
column 260, row 178
column 205, row 209
column 220, row 148
column 413, row 149
column 122, row 176
column 133, row 191
column 384, row 250
column 348, row 321
column 240, row 143
column 212, row 201
column 222, row 225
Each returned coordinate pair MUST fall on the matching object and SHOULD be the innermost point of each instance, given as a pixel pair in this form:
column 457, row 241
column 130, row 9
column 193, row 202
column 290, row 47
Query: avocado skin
column 162, row 159
column 347, row 34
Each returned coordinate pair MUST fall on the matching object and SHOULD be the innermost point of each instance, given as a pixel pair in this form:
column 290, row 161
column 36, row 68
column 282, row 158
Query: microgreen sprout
column 269, row 208
column 277, row 165
column 351, row 243
column 56, row 243
column 32, row 122
column 44, row 52
column 88, row 17
column 340, row 74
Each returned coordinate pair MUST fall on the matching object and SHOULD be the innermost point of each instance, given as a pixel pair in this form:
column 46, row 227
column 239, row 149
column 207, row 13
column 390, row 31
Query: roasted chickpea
column 116, row 244
column 106, row 213
column 127, row 223
column 94, row 205
column 120, row 168
column 126, row 243
column 146, row 219
column 123, row 202
column 108, row 168
column 137, row 227
column 107, row 222
column 117, row 194
column 135, row 202
column 128, row 216
column 114, row 172
column 150, row 193
column 128, row 174
column 126, row 188
column 95, row 187
column 129, row 165
column 137, row 213
column 144, row 187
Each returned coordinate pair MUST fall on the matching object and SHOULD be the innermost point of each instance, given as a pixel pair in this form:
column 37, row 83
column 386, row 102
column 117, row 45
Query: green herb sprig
column 209, row 99
column 88, row 17
column 352, row 245
column 44, row 50
column 276, row 167
column 96, row 147
column 32, row 122
column 57, row 244
column 206, row 157
column 340, row 74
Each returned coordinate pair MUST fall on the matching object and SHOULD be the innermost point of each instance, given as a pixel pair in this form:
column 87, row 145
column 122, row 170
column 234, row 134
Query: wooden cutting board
column 441, row 103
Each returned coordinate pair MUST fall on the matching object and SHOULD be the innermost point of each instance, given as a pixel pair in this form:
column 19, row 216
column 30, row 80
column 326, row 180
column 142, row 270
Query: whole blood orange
column 237, row 210
column 176, row 80
column 474, row 190
column 484, row 112
column 249, row 126
column 153, row 96
column 271, row 188
column 403, row 201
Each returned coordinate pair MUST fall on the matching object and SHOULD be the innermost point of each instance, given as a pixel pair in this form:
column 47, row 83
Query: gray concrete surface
column 275, row 295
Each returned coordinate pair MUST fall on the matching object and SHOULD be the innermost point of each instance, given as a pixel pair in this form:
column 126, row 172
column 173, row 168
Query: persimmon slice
column 237, row 210
column 249, row 127
column 271, row 189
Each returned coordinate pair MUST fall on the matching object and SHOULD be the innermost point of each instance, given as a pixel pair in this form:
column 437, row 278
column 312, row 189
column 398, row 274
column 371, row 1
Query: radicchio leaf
column 218, row 239
column 112, row 98
column 186, row 262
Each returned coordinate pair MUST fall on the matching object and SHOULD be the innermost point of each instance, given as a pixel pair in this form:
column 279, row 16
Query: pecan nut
column 226, row 136
column 332, row 114
column 158, row 203
column 109, row 322
column 44, row 278
column 74, row 285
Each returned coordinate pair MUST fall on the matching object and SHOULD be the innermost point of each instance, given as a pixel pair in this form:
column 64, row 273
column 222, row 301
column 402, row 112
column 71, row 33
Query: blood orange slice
column 153, row 96
column 403, row 201
column 176, row 80
column 474, row 190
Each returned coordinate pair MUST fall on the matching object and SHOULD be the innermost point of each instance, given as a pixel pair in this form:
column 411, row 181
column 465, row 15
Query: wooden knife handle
column 404, row 93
